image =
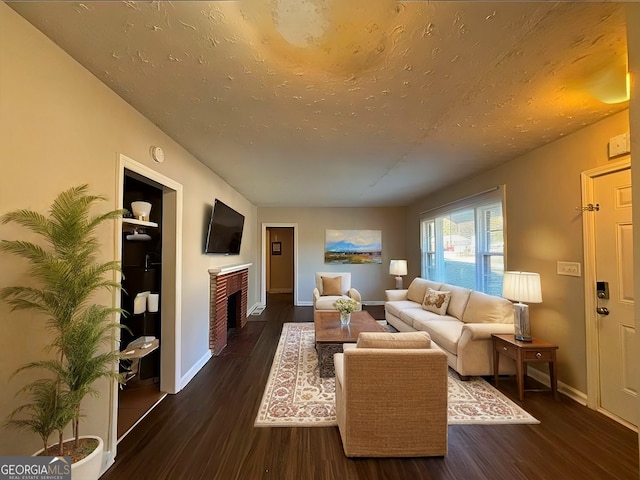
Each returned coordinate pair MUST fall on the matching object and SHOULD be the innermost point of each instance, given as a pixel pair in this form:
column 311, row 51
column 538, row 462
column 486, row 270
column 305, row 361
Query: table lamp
column 522, row 287
column 398, row 268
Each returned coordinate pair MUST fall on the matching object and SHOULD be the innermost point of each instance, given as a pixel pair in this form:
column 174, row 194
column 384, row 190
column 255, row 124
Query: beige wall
column 61, row 127
column 543, row 227
column 370, row 280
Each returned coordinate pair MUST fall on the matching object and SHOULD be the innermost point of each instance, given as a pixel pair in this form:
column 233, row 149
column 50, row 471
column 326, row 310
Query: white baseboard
column 570, row 392
column 142, row 417
column 107, row 462
column 187, row 377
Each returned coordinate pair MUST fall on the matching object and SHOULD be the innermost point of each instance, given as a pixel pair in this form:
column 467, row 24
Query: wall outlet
column 569, row 268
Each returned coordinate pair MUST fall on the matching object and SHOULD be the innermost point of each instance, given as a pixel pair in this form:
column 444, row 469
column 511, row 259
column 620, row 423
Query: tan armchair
column 331, row 286
column 391, row 396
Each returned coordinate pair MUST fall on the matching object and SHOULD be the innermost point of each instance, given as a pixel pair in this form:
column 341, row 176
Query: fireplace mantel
column 229, row 269
column 225, row 282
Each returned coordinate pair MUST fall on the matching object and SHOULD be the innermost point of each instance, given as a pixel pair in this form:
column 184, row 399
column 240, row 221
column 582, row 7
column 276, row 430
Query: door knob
column 602, row 311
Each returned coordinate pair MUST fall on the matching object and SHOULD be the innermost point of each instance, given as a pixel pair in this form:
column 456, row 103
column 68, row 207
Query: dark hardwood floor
column 133, row 403
column 206, row 431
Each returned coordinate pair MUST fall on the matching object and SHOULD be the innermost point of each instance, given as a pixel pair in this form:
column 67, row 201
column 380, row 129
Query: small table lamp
column 522, row 287
column 398, row 268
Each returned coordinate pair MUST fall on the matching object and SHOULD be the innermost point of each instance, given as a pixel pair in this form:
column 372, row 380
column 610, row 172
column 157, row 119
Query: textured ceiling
column 358, row 103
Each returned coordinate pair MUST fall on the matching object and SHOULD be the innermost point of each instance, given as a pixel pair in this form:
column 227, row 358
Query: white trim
column 616, row 418
column 263, row 260
column 588, row 237
column 195, row 369
column 140, row 419
column 171, row 294
column 107, row 462
column 229, row 269
column 570, row 392
column 172, row 232
column 465, row 201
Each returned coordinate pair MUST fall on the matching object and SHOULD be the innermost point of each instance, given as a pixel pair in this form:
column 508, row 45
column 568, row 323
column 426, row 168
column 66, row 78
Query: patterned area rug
column 296, row 396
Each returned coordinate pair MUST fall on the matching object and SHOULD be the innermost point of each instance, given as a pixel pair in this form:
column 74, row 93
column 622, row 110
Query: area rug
column 296, row 396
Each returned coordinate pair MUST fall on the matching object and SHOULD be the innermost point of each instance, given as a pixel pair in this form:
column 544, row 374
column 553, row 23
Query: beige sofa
column 463, row 331
column 385, row 409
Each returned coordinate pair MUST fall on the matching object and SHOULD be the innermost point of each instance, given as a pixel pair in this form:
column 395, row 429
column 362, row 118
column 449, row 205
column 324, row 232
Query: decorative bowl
column 141, row 210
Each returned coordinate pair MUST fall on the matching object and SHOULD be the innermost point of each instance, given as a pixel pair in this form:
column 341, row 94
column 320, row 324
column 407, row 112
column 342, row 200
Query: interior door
column 280, row 260
column 618, row 359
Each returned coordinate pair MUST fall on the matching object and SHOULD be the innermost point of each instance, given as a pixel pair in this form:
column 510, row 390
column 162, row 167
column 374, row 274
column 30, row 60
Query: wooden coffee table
column 330, row 335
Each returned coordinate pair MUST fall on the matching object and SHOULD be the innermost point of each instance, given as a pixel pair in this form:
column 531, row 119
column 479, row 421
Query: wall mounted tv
column 225, row 230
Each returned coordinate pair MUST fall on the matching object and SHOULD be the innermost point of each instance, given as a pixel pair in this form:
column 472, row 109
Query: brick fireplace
column 228, row 290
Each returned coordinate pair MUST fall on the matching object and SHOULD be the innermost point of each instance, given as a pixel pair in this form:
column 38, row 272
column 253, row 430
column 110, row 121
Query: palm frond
column 28, row 250
column 68, row 274
column 112, row 215
column 50, row 409
column 34, row 221
column 24, row 298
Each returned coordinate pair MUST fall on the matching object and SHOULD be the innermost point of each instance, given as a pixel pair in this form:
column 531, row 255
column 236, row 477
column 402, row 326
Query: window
column 463, row 243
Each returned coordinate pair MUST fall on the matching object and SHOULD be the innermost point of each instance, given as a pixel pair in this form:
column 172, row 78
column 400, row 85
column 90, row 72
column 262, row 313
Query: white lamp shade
column 522, row 287
column 398, row 267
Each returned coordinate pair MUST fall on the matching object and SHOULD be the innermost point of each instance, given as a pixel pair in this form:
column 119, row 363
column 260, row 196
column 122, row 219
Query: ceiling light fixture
column 301, row 22
column 611, row 84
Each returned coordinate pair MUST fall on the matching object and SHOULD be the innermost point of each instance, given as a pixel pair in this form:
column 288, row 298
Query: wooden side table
column 536, row 351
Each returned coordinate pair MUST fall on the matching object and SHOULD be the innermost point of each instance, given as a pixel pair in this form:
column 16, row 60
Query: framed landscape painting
column 353, row 246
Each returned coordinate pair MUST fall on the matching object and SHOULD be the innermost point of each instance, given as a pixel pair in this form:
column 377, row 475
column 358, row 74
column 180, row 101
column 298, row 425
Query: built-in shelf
column 142, row 223
column 138, row 353
column 142, row 351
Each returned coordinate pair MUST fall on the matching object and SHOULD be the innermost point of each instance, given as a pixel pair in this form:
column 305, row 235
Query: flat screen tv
column 225, row 230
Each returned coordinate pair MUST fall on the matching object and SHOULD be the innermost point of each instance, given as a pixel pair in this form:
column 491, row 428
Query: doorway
column 141, row 262
column 168, row 196
column 612, row 359
column 279, row 260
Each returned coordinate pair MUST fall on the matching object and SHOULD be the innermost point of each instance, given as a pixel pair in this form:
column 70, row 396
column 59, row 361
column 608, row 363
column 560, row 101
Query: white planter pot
column 89, row 467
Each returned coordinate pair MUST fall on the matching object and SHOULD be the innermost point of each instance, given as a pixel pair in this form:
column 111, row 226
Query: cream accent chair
column 322, row 302
column 391, row 396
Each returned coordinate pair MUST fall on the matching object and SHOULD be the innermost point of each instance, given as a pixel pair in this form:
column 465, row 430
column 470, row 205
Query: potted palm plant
column 68, row 274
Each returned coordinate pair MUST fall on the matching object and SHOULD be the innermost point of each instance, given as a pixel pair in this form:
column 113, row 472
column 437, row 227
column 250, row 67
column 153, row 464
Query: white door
column 618, row 359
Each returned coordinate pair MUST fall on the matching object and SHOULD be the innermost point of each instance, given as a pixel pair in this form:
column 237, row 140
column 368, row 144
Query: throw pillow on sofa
column 436, row 301
column 332, row 286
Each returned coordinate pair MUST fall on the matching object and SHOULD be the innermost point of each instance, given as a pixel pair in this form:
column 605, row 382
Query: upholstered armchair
column 331, row 286
column 391, row 396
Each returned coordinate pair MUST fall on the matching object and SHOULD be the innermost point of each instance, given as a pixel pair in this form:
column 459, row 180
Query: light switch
column 619, row 145
column 569, row 268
